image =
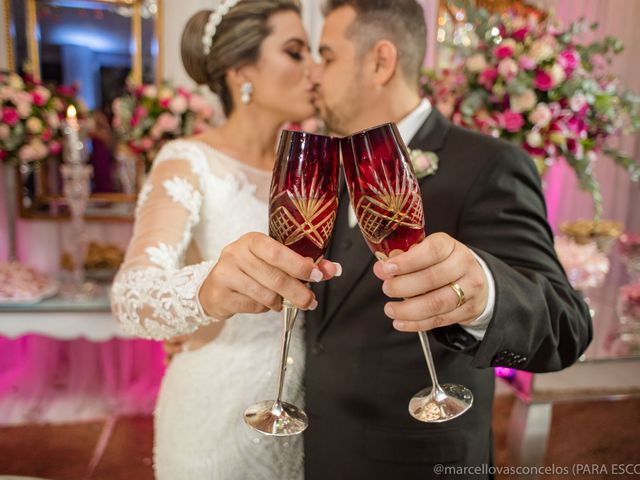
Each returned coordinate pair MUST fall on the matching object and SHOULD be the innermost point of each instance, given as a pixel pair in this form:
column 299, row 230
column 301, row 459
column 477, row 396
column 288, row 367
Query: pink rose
column 569, row 60
column 578, row 103
column 46, row 135
column 520, row 34
column 10, row 116
column 67, row 90
column 184, row 92
column 543, row 81
column 487, row 77
column 146, row 144
column 526, row 62
column 512, row 121
column 165, row 102
column 140, row 111
column 508, row 68
column 40, row 96
column 167, row 123
column 503, row 51
column 55, row 148
column 197, row 103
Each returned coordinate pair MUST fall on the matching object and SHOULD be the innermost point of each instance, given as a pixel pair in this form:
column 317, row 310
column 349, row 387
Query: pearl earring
column 246, row 90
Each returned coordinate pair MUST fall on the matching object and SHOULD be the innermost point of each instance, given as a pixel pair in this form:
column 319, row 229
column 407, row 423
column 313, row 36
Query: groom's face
column 341, row 83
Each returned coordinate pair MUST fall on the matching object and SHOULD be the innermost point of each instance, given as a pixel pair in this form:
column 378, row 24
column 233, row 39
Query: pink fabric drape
column 43, row 379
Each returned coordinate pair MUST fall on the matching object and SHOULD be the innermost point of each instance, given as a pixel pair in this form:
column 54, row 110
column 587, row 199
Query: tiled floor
column 605, row 432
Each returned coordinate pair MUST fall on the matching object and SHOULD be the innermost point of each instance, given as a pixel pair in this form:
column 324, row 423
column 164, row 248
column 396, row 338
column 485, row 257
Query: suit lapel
column 347, row 244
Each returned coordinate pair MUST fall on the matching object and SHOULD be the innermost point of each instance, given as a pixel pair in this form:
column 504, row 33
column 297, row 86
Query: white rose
column 476, row 63
column 178, row 104
column 508, row 68
column 541, row 116
column 541, row 50
column 556, row 72
column 577, row 102
column 524, row 102
column 534, row 138
column 15, row 81
column 34, row 125
column 165, row 93
column 150, row 91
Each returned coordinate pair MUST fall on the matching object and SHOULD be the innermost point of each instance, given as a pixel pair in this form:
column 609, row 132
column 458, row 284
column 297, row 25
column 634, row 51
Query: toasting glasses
column 302, row 213
column 386, row 199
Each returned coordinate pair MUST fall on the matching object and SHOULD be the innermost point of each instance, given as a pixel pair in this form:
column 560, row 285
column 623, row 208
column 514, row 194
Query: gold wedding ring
column 459, row 293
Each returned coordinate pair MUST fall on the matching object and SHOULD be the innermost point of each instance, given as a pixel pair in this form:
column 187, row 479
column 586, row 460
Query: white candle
column 72, row 131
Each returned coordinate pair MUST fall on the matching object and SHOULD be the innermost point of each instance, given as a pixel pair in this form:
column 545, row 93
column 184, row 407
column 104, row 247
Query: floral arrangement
column 424, row 163
column 528, row 80
column 146, row 117
column 603, row 232
column 32, row 118
column 629, row 303
column 629, row 244
column 585, row 265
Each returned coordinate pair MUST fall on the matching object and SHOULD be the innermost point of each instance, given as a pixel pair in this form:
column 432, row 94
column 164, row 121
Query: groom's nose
column 315, row 74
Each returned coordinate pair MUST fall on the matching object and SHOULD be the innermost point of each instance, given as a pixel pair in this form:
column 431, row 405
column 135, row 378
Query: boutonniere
column 424, row 163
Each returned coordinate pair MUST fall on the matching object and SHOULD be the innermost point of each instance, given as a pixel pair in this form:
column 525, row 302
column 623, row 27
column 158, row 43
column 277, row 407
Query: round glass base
column 439, row 406
column 276, row 419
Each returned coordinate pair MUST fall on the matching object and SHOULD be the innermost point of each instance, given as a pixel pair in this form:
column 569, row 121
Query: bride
column 200, row 261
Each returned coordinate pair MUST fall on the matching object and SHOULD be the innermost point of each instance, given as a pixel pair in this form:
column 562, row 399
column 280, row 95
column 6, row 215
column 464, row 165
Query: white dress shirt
column 408, row 127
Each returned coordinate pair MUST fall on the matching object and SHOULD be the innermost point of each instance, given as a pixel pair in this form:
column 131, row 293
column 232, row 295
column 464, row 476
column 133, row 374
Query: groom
column 486, row 281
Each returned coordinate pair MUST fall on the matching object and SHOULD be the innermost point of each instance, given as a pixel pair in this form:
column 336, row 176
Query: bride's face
column 281, row 76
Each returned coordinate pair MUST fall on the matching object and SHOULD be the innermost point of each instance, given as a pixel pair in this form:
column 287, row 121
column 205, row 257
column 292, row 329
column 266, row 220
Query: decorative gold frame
column 136, row 33
column 33, row 56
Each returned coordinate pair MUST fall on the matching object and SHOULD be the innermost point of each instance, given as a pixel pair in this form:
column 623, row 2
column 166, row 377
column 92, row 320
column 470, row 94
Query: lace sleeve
column 154, row 294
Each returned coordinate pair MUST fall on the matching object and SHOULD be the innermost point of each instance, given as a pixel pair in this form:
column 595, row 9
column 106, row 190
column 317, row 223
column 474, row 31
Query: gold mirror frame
column 33, row 56
column 136, row 34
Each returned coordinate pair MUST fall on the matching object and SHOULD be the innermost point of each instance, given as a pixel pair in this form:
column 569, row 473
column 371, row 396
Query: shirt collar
column 410, row 124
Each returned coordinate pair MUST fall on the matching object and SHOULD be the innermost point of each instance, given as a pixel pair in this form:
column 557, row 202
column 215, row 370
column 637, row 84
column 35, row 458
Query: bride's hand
column 255, row 272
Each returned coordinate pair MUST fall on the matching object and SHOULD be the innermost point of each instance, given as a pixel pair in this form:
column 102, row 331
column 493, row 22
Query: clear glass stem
column 426, row 349
column 289, row 313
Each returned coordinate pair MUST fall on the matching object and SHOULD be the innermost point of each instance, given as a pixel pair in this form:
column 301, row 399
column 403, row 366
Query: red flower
column 10, row 116
column 513, row 121
column 487, row 77
column 55, row 148
column 543, row 81
column 46, row 135
column 503, row 51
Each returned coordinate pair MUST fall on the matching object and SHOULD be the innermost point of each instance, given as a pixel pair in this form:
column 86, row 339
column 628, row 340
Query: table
column 63, row 318
column 609, row 369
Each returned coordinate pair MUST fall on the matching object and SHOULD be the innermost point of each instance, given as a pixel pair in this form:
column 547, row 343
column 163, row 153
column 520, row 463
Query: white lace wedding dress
column 196, row 201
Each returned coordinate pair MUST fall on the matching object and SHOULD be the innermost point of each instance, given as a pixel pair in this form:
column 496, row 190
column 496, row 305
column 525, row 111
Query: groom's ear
column 385, row 57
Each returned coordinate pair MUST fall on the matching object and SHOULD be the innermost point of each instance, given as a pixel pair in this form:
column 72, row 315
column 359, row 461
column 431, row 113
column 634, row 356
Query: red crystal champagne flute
column 385, row 196
column 302, row 212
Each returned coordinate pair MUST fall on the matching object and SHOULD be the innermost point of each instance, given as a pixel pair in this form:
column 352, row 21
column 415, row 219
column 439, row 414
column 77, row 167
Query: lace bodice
column 195, row 201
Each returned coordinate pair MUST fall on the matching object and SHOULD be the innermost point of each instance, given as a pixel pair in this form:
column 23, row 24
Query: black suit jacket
column 361, row 373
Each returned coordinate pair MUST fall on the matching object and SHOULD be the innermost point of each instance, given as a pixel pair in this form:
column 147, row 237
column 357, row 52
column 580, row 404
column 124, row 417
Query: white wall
column 177, row 12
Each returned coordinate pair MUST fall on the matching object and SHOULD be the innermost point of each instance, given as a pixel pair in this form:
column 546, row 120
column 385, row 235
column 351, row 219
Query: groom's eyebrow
column 325, row 50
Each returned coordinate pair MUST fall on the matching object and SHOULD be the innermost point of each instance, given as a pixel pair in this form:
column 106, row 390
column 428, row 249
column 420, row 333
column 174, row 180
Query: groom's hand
column 423, row 277
column 254, row 274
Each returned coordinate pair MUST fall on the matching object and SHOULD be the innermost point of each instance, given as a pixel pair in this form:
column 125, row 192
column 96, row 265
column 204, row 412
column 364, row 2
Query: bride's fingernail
column 338, row 269
column 389, row 268
column 313, row 305
column 316, row 275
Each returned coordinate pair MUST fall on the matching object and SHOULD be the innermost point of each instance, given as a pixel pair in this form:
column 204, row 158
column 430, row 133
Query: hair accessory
column 214, row 20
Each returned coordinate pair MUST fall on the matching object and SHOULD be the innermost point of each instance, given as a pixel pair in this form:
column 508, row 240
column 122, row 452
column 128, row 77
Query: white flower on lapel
column 424, row 163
